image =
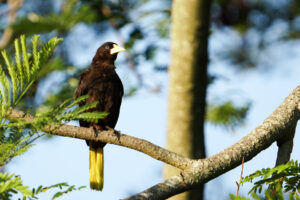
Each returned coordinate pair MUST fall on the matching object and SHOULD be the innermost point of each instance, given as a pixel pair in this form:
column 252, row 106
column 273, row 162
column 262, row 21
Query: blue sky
column 144, row 116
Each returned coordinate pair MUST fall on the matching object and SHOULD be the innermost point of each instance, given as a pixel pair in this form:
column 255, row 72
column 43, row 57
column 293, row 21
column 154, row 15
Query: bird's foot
column 97, row 128
column 117, row 133
column 95, row 131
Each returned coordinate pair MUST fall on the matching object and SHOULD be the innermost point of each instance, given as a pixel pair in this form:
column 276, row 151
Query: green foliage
column 22, row 72
column 13, row 144
column 18, row 134
column 70, row 15
column 282, row 182
column 64, row 187
column 63, row 113
column 11, row 184
column 287, row 174
column 269, row 194
column 227, row 114
column 233, row 197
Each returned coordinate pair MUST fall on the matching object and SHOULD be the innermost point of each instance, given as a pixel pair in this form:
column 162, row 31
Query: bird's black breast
column 102, row 85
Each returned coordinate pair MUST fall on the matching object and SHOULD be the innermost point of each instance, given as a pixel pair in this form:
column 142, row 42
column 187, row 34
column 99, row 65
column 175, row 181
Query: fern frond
column 18, row 63
column 63, row 113
column 25, row 58
column 13, row 85
column 36, row 55
column 5, row 153
column 85, row 108
column 47, row 49
column 288, row 174
column 13, row 75
column 14, row 144
column 92, row 116
column 61, row 186
column 9, row 183
column 5, row 92
column 78, row 100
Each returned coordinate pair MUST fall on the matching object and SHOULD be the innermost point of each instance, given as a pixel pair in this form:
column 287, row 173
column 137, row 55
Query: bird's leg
column 95, row 131
column 97, row 128
column 117, row 133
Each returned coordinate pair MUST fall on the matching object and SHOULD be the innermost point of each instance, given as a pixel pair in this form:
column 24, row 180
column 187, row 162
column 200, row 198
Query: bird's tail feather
column 96, row 167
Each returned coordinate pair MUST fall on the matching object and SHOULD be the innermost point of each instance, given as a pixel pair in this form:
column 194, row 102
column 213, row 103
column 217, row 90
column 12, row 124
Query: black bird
column 102, row 84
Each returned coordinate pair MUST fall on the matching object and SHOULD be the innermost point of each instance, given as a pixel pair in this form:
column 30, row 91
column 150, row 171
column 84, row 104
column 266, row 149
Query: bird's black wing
column 83, row 84
column 107, row 89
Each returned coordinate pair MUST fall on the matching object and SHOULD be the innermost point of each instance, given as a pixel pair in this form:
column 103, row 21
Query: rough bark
column 279, row 126
column 188, row 82
column 276, row 127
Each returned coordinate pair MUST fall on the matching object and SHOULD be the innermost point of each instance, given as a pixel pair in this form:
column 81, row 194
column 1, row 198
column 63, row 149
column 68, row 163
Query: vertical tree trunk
column 188, row 82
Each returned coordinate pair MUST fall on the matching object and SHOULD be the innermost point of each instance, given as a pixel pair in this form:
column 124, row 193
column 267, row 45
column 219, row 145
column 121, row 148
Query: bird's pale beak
column 116, row 49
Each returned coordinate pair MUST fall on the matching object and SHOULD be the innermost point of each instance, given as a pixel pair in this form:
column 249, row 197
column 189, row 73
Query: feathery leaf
column 18, row 63
column 25, row 58
column 13, row 75
column 36, row 55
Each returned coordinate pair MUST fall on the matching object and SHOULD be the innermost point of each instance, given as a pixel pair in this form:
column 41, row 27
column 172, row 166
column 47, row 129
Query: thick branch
column 164, row 190
column 114, row 137
column 279, row 126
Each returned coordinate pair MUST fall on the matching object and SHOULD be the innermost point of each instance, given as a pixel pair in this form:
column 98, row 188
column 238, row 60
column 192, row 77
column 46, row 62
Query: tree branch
column 113, row 137
column 276, row 127
column 279, row 126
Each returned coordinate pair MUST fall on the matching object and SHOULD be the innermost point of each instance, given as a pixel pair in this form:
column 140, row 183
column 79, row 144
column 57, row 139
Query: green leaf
column 36, row 55
column 16, row 136
column 92, row 116
column 9, row 183
column 287, row 174
column 47, row 49
column 25, row 58
column 12, row 72
column 18, row 63
column 227, row 114
column 5, row 92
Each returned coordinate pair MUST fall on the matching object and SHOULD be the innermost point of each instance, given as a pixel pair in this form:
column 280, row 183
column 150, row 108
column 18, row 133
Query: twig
column 239, row 183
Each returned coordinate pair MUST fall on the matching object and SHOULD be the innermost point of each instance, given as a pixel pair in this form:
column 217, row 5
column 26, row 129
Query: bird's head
column 108, row 52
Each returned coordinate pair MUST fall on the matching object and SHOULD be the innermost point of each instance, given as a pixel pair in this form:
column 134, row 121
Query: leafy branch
column 11, row 184
column 287, row 175
column 195, row 171
column 17, row 135
column 65, row 188
column 15, row 80
column 23, row 71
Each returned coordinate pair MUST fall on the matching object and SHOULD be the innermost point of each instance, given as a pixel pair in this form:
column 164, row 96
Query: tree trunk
column 188, row 82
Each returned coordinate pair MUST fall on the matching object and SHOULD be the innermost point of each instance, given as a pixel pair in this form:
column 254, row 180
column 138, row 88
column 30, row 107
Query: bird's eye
column 107, row 47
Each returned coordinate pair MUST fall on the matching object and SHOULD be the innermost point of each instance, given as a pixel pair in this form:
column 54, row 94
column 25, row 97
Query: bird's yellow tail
column 96, row 167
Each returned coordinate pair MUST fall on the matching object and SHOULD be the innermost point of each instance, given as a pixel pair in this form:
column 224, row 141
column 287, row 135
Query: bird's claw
column 117, row 133
column 95, row 131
